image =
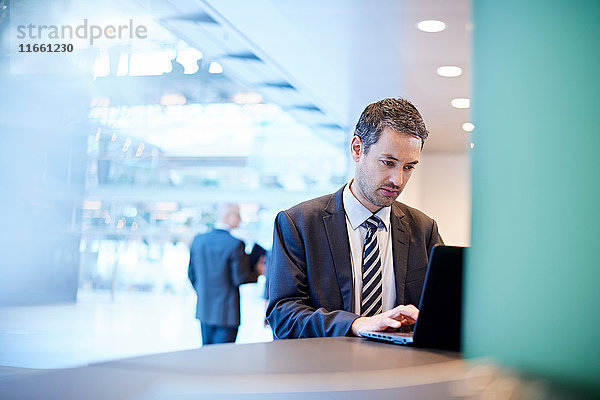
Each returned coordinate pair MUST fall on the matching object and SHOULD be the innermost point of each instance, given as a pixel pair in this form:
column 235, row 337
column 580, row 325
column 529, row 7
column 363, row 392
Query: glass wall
column 155, row 174
column 116, row 151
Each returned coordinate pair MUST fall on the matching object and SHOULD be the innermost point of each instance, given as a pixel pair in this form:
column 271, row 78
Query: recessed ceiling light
column 431, row 26
column 468, row 127
column 449, row 71
column 461, row 103
column 215, row 68
column 472, row 144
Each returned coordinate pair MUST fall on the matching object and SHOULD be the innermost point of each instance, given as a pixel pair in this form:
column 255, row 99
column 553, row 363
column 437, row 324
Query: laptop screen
column 439, row 322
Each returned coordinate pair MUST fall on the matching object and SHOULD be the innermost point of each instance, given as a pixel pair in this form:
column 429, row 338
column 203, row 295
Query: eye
column 387, row 163
column 409, row 167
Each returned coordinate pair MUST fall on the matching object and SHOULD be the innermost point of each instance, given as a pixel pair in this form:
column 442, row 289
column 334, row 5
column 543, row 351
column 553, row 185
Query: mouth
column 390, row 192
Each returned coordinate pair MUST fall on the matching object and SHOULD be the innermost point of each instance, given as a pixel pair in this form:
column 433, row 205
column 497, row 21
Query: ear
column 356, row 148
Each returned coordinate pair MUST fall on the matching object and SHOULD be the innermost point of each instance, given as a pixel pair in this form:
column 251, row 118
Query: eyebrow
column 391, row 157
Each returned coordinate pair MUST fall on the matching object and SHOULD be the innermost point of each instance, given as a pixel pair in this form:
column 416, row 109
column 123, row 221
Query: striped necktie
column 372, row 282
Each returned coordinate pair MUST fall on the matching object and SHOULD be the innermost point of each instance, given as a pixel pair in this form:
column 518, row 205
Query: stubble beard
column 368, row 188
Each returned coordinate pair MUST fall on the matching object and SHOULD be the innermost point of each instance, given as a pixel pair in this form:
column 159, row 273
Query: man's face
column 382, row 173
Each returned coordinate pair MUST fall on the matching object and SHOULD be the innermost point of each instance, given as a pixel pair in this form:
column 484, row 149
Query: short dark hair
column 398, row 114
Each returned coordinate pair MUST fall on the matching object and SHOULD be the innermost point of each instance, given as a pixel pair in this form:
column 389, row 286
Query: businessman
column 218, row 266
column 355, row 260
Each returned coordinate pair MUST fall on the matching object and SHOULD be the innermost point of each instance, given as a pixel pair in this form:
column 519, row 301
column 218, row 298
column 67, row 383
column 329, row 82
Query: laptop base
column 394, row 337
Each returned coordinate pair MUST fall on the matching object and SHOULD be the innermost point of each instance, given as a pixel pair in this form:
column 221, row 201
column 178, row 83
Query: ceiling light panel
column 215, row 68
column 461, row 103
column 468, row 127
column 449, row 71
column 431, row 26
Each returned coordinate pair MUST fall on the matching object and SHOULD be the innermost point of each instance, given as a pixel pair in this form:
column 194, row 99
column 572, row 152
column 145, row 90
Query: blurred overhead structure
column 204, row 28
column 324, row 61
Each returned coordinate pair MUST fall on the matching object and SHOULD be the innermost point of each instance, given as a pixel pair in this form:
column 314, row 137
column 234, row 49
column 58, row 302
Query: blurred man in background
column 218, row 266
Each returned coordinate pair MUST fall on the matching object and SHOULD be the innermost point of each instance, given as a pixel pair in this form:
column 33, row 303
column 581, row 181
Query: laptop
column 439, row 322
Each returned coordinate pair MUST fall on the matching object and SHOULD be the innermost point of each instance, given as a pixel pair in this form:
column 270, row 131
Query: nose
column 397, row 179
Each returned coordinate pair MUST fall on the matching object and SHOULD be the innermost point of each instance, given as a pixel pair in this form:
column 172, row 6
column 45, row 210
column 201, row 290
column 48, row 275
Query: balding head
column 229, row 214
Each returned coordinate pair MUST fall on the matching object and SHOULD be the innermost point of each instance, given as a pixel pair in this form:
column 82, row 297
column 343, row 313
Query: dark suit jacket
column 218, row 266
column 310, row 272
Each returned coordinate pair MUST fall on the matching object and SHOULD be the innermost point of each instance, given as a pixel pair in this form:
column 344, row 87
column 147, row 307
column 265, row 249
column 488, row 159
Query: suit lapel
column 335, row 228
column 400, row 244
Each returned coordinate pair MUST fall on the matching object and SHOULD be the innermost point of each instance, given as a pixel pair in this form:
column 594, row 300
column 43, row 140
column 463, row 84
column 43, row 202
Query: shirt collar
column 222, row 226
column 357, row 213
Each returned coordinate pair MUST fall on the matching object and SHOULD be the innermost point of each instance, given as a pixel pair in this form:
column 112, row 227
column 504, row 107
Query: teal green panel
column 533, row 273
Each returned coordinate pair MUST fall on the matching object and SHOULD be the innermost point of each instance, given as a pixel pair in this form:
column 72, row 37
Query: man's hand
column 391, row 319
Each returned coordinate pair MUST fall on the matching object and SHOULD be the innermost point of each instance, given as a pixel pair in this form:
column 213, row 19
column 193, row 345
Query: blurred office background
column 116, row 155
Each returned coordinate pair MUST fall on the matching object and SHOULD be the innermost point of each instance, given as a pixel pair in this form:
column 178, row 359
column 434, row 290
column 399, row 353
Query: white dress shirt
column 356, row 214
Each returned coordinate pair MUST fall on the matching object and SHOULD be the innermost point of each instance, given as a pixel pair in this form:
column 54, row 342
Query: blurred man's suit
column 218, row 266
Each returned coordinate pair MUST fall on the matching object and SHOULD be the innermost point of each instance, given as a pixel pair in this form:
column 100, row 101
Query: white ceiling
column 347, row 53
column 340, row 55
